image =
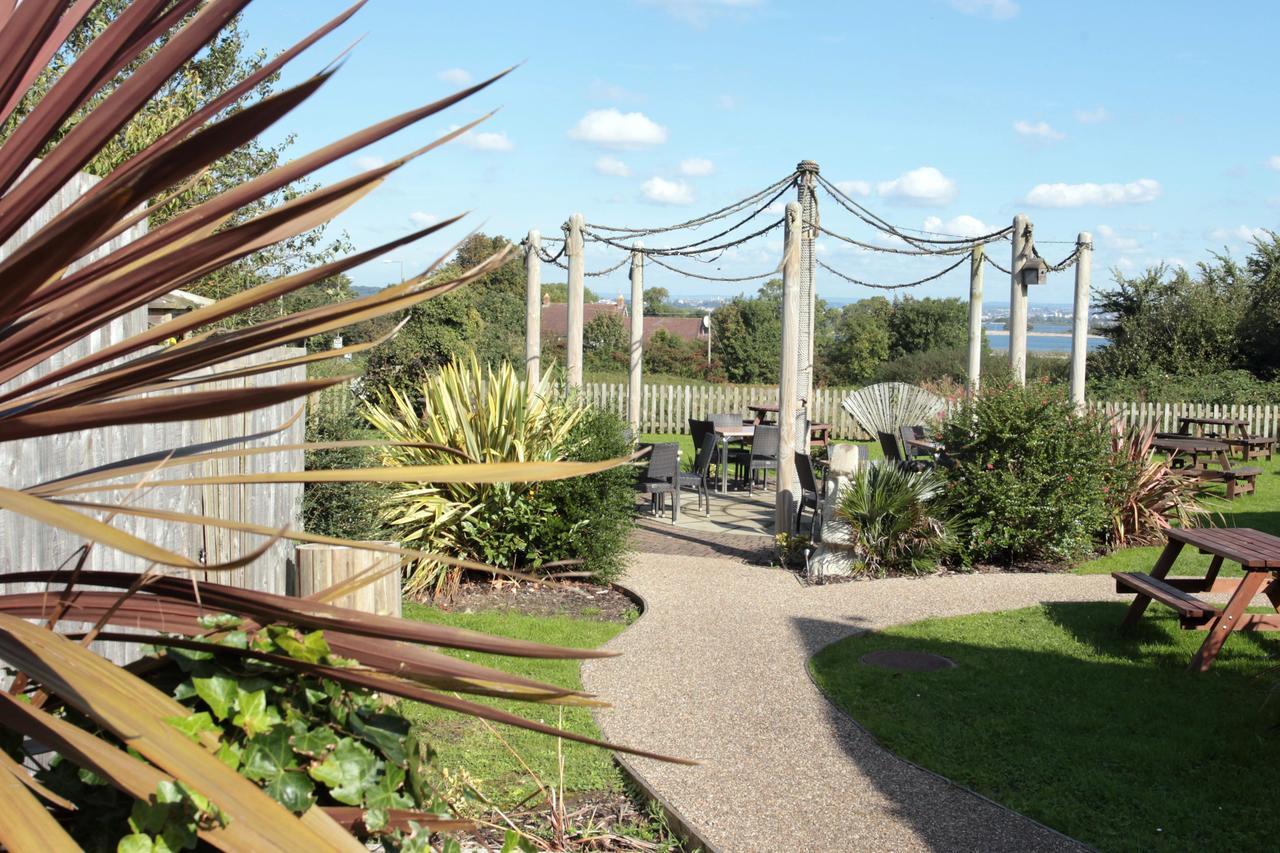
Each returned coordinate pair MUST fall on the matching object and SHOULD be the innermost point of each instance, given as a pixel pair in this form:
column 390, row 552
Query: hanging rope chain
column 684, row 252
column 772, row 272
column 722, row 213
column 917, row 283
column 988, row 259
column 959, row 250
column 625, row 258
column 881, row 225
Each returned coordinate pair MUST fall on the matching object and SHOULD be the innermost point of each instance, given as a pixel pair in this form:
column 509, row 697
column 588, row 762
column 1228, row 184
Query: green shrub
column 1027, row 475
column 488, row 415
column 898, row 525
column 345, row 510
column 1225, row 388
column 588, row 518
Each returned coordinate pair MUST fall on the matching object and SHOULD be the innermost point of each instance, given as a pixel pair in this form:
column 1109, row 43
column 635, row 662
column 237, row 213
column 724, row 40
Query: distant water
column 1040, row 343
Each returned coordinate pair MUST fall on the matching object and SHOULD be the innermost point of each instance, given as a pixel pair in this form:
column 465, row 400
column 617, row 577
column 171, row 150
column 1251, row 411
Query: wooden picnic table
column 1257, row 553
column 1240, row 480
column 819, row 434
column 725, row 434
column 1187, row 423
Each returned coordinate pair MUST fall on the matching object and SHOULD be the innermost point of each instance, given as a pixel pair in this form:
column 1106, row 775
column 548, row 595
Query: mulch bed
column 589, row 822
column 559, row 598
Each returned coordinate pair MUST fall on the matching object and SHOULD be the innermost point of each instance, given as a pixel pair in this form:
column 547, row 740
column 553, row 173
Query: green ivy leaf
column 312, row 742
column 230, row 754
column 387, row 732
column 375, row 819
column 220, row 621
column 256, row 716
column 311, row 648
column 385, row 793
column 135, row 843
column 347, row 771
column 218, row 692
column 194, row 725
column 269, row 759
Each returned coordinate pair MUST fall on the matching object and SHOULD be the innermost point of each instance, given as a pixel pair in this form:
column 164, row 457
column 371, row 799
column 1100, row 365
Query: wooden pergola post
column 635, row 388
column 975, row 320
column 533, row 311
column 573, row 349
column 1018, row 303
column 788, row 484
column 1080, row 317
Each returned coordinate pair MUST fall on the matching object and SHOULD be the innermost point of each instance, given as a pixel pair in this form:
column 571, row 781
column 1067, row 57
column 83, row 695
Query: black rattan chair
column 699, row 479
column 764, row 454
column 661, row 478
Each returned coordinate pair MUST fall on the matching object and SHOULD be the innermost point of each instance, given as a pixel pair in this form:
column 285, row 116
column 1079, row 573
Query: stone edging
column 679, row 825
column 896, row 757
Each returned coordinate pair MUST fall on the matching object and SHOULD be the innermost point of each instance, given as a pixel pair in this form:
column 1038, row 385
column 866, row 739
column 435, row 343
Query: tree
column 917, row 325
column 856, row 344
column 560, row 293
column 748, row 335
column 605, row 342
column 1259, row 341
column 655, row 299
column 226, row 61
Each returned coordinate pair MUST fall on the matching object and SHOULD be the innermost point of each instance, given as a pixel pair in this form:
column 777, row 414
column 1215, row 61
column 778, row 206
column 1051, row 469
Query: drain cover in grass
column 906, row 661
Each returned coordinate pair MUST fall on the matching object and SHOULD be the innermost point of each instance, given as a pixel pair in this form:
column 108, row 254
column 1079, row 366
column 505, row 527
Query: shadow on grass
column 1055, row 714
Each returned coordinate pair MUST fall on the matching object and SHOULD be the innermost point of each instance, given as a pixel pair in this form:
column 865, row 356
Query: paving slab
column 715, row 670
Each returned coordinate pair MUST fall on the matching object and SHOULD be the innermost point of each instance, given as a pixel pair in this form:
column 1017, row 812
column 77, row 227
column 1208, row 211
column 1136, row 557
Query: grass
column 1104, row 737
column 466, row 743
column 1260, row 510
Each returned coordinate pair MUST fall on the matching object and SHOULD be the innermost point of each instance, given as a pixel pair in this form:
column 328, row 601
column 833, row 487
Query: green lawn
column 1260, row 510
column 1056, row 715
column 464, row 742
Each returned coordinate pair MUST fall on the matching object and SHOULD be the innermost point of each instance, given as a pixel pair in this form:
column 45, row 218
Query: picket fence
column 668, row 408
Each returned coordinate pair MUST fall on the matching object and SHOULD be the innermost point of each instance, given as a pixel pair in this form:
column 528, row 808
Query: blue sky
column 1140, row 122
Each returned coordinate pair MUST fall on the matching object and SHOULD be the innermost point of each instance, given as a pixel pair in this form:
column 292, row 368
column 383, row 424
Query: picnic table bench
column 763, row 414
column 1193, row 456
column 1257, row 553
column 1234, row 432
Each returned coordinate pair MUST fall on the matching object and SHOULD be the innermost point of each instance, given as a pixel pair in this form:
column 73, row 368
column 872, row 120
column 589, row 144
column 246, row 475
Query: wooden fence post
column 533, row 311
column 636, row 387
column 1018, row 304
column 975, row 320
column 1080, row 316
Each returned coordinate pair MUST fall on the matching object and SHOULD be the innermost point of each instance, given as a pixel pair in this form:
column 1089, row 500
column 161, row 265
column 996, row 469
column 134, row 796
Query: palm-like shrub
column 1145, row 496
column 897, row 525
column 211, row 775
column 467, row 413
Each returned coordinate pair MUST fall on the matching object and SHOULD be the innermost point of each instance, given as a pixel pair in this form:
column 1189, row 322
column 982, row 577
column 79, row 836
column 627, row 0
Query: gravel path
column 715, row 670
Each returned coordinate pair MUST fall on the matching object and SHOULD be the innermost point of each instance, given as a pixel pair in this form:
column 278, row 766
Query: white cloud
column 1273, row 162
column 455, row 76
column 1097, row 115
column 958, row 226
column 854, row 187
column 366, row 162
column 1000, row 10
column 613, row 166
column 422, row 219
column 697, row 167
column 613, row 129
column 1040, row 131
column 1140, row 191
column 1238, row 234
column 478, row 140
column 667, row 192
column 925, row 185
column 1110, row 239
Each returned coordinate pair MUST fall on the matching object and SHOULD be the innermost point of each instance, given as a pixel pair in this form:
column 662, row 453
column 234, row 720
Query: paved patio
column 716, row 670
column 733, row 512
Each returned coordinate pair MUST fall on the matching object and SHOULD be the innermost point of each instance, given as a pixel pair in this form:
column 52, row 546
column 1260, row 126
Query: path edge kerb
column 681, row 826
column 896, row 757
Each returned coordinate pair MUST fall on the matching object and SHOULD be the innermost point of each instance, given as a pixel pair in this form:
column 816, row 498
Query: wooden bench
column 1240, row 480
column 1192, row 612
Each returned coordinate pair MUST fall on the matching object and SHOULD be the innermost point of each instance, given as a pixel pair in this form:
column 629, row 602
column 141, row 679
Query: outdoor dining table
column 1240, row 425
column 725, row 434
column 1179, row 448
column 1257, row 553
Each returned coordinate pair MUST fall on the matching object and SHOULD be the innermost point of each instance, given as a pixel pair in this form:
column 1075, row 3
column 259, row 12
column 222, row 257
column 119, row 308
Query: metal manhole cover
column 906, row 661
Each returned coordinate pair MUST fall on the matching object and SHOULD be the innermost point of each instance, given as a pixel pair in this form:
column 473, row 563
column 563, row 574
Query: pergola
column 801, row 227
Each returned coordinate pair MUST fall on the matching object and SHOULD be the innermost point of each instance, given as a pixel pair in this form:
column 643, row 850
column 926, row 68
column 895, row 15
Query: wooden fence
column 668, row 408
column 26, row 544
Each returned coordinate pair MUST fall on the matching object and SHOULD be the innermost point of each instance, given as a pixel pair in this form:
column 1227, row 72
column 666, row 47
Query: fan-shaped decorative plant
column 64, row 696
column 889, row 405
